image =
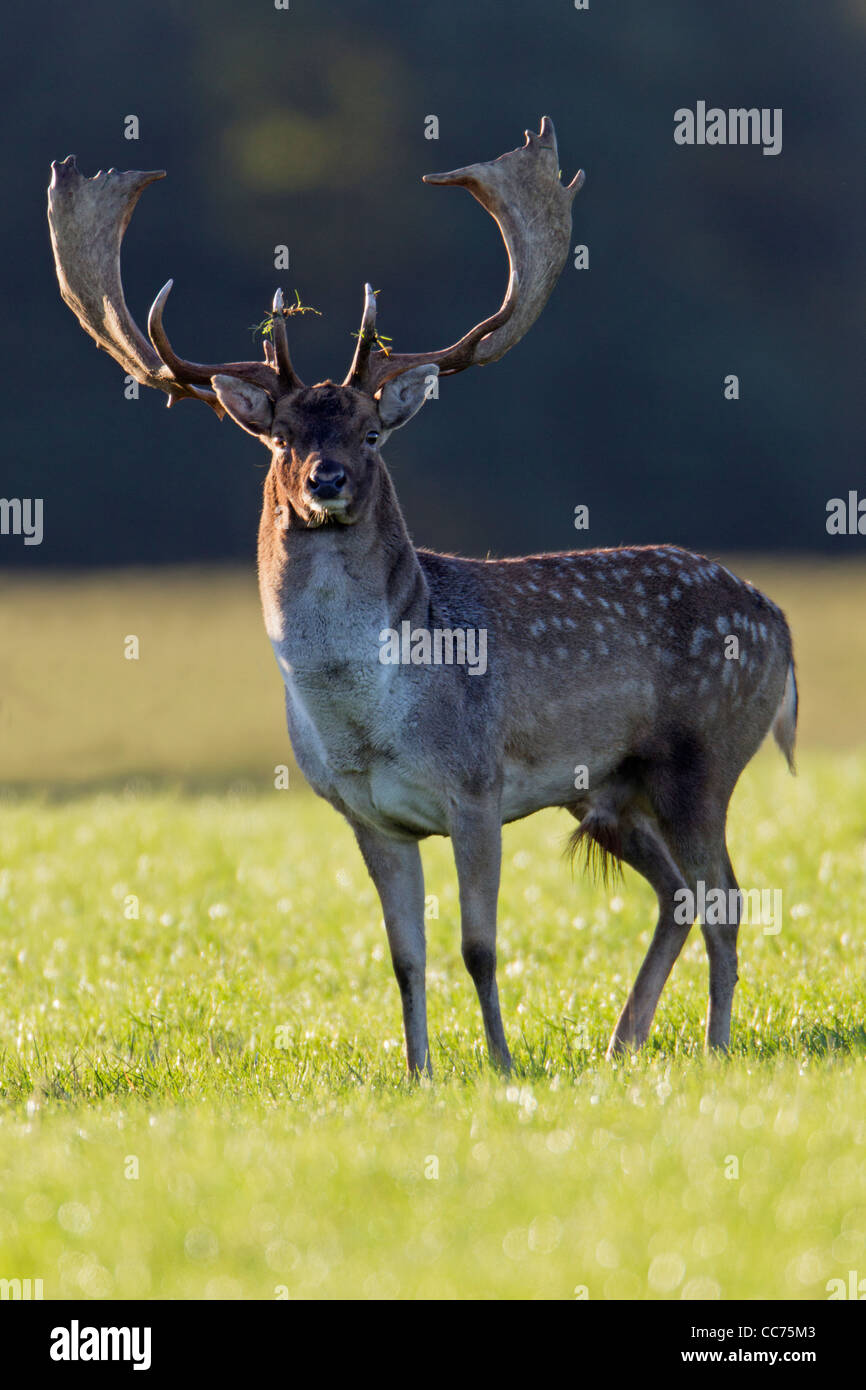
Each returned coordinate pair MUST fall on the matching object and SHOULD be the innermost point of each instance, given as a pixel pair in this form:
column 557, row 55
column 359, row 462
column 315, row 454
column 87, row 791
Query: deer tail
column 785, row 719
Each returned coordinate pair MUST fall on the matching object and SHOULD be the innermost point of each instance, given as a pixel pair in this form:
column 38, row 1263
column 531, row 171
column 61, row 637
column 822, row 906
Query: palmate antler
column 88, row 218
column 522, row 192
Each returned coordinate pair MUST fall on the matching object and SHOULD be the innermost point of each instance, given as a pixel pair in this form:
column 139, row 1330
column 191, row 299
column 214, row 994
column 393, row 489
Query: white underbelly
column 528, row 789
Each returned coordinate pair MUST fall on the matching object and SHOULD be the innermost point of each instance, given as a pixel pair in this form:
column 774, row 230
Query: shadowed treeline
column 306, row 127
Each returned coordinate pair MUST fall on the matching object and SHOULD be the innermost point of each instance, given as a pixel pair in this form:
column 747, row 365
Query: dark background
column 306, row 127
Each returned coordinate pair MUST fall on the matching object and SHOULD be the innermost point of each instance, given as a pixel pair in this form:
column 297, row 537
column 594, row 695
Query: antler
column 88, row 219
column 522, row 192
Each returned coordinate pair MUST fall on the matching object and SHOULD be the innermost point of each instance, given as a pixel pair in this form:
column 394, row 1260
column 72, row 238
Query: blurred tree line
column 305, row 127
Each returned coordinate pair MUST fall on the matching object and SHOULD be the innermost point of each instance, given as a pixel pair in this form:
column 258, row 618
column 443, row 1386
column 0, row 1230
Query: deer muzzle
column 327, row 482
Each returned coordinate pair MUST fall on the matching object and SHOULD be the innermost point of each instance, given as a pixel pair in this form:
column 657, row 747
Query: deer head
column 324, row 439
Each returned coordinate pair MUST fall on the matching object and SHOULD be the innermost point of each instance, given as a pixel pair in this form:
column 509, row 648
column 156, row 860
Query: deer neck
column 327, row 592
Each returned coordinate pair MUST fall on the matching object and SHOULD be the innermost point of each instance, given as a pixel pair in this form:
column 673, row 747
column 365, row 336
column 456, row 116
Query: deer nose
column 327, row 480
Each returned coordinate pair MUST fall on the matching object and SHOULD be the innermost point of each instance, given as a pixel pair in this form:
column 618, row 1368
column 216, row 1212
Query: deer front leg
column 476, row 833
column 395, row 868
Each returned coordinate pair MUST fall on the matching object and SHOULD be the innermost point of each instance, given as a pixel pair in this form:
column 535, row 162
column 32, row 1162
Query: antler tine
column 288, row 376
column 200, row 373
column 359, row 370
column 522, row 192
column 88, row 219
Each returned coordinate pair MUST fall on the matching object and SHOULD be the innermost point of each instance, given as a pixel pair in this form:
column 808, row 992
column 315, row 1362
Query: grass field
column 201, row 1084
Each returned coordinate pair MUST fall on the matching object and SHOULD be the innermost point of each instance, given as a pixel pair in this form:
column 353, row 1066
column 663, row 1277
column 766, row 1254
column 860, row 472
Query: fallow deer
column 609, row 660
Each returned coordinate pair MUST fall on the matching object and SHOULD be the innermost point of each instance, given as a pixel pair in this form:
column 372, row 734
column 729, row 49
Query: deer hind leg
column 706, row 866
column 674, row 852
column 643, row 847
column 721, row 943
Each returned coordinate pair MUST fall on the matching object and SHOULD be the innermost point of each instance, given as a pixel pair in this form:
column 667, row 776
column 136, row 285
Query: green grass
column 241, row 1039
column 238, row 1044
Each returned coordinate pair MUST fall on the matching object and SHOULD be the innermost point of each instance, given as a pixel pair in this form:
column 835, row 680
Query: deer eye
column 279, row 441
column 371, row 437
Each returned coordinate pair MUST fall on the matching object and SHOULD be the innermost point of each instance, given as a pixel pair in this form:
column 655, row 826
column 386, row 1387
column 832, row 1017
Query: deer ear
column 403, row 396
column 248, row 405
